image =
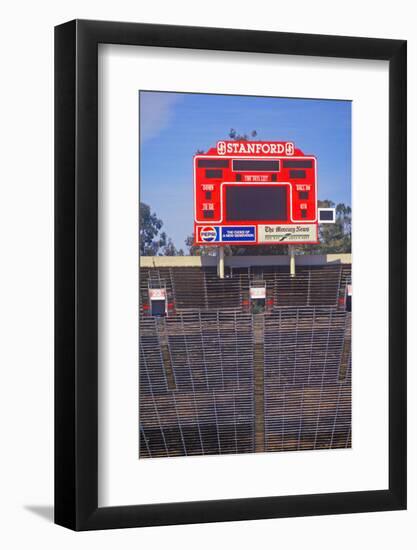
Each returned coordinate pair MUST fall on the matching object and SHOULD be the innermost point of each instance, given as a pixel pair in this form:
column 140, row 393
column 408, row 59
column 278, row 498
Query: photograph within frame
column 256, row 358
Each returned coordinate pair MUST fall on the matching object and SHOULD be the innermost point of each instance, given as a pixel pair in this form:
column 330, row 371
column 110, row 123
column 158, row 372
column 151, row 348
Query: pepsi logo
column 208, row 234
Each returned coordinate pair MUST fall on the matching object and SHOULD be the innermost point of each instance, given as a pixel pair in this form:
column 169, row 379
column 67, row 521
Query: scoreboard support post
column 291, row 251
column 220, row 262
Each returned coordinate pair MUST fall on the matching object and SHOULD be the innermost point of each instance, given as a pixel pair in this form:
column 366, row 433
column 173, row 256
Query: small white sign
column 157, row 293
column 257, row 293
column 327, row 215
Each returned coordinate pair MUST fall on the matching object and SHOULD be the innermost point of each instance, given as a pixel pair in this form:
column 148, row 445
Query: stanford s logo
column 221, row 148
column 289, row 148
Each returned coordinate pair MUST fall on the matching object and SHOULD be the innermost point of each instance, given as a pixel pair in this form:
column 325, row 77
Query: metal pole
column 291, row 251
column 220, row 262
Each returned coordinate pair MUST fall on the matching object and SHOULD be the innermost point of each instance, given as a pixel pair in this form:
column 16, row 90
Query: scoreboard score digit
column 255, row 193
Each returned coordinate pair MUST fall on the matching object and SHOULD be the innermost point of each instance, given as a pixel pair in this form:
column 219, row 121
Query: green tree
column 260, row 250
column 152, row 240
column 197, row 250
column 233, row 134
column 170, row 250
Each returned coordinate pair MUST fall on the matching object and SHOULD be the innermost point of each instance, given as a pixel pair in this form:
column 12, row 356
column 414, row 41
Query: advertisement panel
column 269, row 234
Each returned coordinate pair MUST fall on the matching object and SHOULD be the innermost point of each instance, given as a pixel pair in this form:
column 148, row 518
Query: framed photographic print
column 220, row 195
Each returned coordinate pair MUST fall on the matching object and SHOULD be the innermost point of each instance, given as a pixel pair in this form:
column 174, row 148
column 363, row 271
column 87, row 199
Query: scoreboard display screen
column 256, row 165
column 255, row 193
column 256, row 203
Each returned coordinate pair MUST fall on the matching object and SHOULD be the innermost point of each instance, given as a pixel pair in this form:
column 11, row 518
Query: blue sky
column 174, row 125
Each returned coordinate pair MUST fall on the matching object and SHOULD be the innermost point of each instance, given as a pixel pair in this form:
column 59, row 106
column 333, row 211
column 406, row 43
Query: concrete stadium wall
column 243, row 261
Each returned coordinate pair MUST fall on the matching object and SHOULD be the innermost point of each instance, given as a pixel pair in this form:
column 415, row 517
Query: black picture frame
column 76, row 272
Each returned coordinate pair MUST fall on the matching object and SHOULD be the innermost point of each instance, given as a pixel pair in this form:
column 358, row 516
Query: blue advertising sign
column 238, row 233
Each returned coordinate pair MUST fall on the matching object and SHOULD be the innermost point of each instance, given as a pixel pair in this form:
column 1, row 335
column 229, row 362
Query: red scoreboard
column 255, row 192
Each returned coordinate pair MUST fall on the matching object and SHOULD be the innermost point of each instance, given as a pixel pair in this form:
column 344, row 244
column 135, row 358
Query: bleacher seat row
column 198, row 391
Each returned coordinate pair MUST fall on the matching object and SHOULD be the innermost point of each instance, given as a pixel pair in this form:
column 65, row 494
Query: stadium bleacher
column 216, row 378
